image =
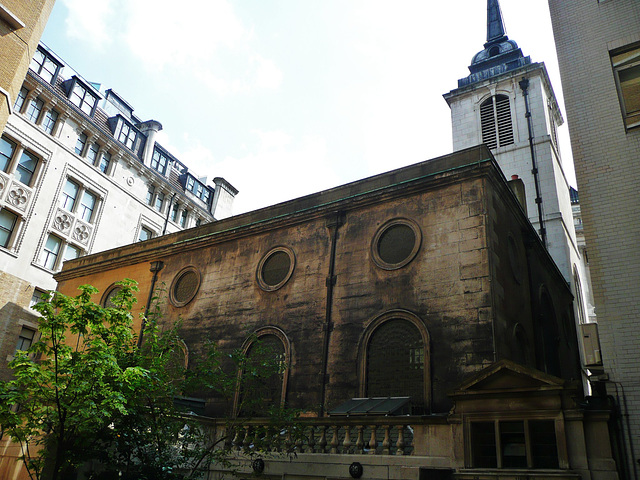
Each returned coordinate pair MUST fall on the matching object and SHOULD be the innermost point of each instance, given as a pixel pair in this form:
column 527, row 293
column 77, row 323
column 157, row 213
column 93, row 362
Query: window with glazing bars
column 44, row 66
column 34, row 109
column 49, row 121
column 495, row 120
column 8, row 221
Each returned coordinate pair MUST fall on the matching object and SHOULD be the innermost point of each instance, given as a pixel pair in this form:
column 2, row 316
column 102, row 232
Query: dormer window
column 127, row 135
column 81, row 95
column 159, row 161
column 198, row 189
column 45, row 65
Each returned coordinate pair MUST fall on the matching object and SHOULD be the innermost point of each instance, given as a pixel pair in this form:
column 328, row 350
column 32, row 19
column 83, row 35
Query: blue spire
column 495, row 24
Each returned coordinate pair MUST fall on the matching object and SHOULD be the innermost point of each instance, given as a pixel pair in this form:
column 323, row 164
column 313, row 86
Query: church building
column 507, row 103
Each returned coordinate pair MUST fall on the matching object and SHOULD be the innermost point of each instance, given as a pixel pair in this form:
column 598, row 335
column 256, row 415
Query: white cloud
column 88, row 21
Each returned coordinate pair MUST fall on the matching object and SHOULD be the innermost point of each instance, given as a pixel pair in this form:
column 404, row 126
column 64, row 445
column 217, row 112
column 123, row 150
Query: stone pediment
column 506, row 375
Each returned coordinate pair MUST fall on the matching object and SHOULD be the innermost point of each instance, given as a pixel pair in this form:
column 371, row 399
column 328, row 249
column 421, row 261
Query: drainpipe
column 166, row 220
column 524, row 85
column 334, row 224
column 155, row 268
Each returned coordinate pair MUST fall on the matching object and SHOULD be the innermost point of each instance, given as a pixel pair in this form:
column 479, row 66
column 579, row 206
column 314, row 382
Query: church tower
column 507, row 102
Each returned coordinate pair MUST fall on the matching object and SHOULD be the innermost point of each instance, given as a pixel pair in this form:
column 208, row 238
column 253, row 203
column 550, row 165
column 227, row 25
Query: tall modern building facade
column 81, row 173
column 507, row 102
column 21, row 26
column 598, row 45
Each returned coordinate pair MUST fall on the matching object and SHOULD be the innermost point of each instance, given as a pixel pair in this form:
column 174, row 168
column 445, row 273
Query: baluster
column 299, row 440
column 287, row 440
column 400, row 442
column 334, row 439
column 247, row 438
column 237, row 443
column 373, row 442
column 386, row 443
column 312, row 441
column 360, row 439
column 323, row 439
column 346, row 444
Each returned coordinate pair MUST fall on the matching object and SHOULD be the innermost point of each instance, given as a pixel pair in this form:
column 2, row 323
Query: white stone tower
column 507, row 102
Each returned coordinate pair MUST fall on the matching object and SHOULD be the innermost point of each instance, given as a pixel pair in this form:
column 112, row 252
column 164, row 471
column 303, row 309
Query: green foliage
column 86, row 394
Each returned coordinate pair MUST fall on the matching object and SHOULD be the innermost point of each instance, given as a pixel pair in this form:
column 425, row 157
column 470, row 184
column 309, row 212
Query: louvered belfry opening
column 495, row 120
column 396, row 362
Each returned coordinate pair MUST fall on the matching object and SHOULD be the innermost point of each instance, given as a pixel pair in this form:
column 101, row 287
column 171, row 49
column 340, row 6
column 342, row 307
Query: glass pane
column 7, row 148
column 514, row 451
column 276, row 268
column 26, row 167
column 543, row 443
column 69, row 195
column 396, row 244
column 71, row 252
column 483, row 445
column 7, row 223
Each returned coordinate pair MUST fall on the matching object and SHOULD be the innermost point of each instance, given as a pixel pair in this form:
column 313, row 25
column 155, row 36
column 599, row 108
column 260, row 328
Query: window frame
column 50, row 120
column 9, row 159
column 21, row 339
column 60, row 256
column 41, row 66
column 82, row 142
column 20, row 99
column 34, row 109
column 530, row 458
column 631, row 119
column 84, row 208
column 10, row 232
column 146, row 229
column 160, row 161
column 82, row 99
column 63, row 205
column 21, row 170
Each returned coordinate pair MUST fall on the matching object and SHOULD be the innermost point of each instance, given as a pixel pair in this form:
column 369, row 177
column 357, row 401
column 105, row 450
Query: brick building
column 598, row 47
column 21, row 26
column 426, row 288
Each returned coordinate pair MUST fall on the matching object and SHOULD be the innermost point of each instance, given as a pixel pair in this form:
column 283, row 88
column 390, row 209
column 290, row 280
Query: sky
column 284, row 98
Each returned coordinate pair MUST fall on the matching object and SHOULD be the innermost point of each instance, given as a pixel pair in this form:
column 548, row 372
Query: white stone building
column 81, row 173
column 508, row 103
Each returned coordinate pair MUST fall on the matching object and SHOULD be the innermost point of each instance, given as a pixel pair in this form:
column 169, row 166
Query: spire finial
column 495, row 24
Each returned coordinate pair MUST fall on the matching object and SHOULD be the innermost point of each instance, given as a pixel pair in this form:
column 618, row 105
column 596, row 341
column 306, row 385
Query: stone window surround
column 282, row 336
column 12, row 165
column 149, row 224
column 371, row 326
column 64, row 244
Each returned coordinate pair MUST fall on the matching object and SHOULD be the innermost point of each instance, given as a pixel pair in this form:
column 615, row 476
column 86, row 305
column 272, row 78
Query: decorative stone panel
column 62, row 221
column 4, row 181
column 82, row 232
column 19, row 196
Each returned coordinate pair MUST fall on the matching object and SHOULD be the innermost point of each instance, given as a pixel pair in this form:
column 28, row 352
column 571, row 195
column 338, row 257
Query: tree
column 86, row 395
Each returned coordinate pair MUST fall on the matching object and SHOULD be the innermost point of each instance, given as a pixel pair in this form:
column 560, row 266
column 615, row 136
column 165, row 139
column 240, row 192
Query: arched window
column 547, row 335
column 495, row 120
column 262, row 384
column 396, row 359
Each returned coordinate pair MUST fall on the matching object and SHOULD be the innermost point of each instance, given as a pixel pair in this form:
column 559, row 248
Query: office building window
column 7, row 147
column 159, row 201
column 150, row 191
column 45, row 66
column 127, row 135
column 183, row 219
column 495, row 120
column 36, row 297
column 80, row 143
column 8, row 222
column 25, row 339
column 145, row 234
column 105, row 160
column 92, row 153
column 159, row 161
column 198, row 189
column 626, row 67
column 50, row 120
column 34, row 109
column 71, row 252
column 174, row 212
column 51, row 251
column 69, row 195
column 87, row 205
column 22, row 96
column 26, row 168
column 82, row 98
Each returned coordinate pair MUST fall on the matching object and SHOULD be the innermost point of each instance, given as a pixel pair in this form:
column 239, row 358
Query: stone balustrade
column 327, row 435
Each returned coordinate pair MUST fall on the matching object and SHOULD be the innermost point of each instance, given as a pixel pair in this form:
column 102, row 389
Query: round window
column 107, row 299
column 185, row 286
column 396, row 243
column 275, row 268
